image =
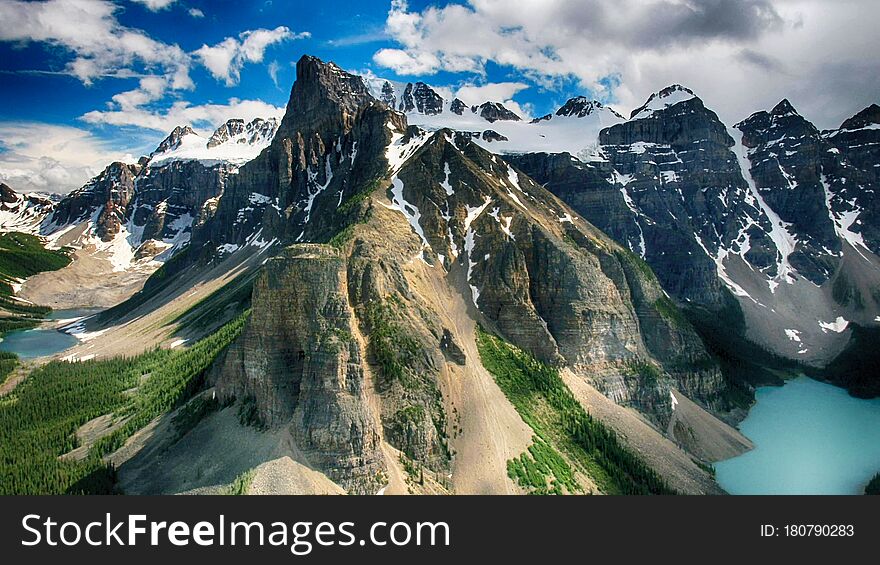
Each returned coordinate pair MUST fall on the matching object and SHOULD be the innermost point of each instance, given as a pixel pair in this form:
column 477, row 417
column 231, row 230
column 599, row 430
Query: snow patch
column 837, row 326
column 470, row 241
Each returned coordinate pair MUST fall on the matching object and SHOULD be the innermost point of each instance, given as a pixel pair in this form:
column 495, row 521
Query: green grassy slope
column 567, row 438
column 21, row 256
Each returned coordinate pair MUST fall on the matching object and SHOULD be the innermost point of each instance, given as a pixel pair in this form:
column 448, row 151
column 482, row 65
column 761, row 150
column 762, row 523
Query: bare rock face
column 580, row 107
column 495, row 111
column 305, row 185
column 421, row 98
column 549, row 282
column 388, row 97
column 457, row 107
column 174, row 195
column 785, row 154
column 110, row 192
column 300, row 363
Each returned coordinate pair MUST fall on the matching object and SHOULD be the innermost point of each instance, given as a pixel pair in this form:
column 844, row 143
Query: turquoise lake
column 29, row 344
column 810, row 438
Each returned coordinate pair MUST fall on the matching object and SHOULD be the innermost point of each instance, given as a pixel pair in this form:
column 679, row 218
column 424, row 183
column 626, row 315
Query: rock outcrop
column 107, row 197
column 495, row 111
column 300, row 364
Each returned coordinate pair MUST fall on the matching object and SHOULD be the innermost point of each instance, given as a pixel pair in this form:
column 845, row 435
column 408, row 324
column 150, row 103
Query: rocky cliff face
column 405, row 206
column 106, row 196
column 325, row 152
column 421, row 98
column 301, row 366
column 670, row 189
column 139, row 215
column 550, row 282
column 771, row 211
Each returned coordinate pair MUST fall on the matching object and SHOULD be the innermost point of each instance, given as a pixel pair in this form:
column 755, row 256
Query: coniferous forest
column 565, row 434
column 40, row 418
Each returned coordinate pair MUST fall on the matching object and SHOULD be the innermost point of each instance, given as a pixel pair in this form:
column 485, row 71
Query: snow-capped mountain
column 772, row 211
column 233, row 143
column 377, row 222
column 574, row 128
column 385, row 224
column 136, row 216
column 23, row 212
column 666, row 98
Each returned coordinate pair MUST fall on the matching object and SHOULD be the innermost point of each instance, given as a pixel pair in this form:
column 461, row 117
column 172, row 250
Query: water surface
column 73, row 313
column 810, row 438
column 29, row 344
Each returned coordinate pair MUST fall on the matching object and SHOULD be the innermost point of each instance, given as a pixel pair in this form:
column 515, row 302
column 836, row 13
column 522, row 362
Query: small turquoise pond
column 810, row 438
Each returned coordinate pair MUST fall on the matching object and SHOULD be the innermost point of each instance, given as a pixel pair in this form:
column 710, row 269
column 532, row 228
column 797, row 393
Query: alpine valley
column 388, row 291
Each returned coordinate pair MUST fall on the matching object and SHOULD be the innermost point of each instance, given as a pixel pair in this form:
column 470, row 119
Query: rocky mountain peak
column 421, row 98
column 668, row 97
column 867, row 117
column 236, row 131
column 783, row 109
column 581, row 106
column 495, row 111
column 228, row 130
column 323, row 96
column 7, row 194
column 387, row 95
column 783, row 119
column 457, row 107
column 173, row 140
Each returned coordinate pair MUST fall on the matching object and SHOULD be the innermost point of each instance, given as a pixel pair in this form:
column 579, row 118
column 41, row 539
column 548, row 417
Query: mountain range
column 420, row 274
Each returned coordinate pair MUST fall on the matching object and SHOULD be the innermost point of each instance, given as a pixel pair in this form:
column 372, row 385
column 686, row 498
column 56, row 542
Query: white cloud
column 273, row 68
column 226, row 59
column 405, row 63
column 51, row 158
column 739, row 55
column 492, row 92
column 155, row 5
column 196, row 13
column 89, row 30
column 205, row 117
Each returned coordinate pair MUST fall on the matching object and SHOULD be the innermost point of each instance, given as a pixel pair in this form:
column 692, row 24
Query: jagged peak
column 581, row 106
column 665, row 98
column 421, row 98
column 235, row 129
column 457, row 107
column 867, row 117
column 319, row 83
column 173, row 140
column 7, row 194
column 783, row 115
column 495, row 111
column 783, row 109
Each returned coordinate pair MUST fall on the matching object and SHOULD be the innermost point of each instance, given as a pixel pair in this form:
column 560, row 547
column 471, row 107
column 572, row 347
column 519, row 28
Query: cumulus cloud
column 89, row 30
column 156, row 5
column 226, row 59
column 51, row 158
column 37, row 156
column 196, row 13
column 204, row 117
column 740, row 55
column 493, row 91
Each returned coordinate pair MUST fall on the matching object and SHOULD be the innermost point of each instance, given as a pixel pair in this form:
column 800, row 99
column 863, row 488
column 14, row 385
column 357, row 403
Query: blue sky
column 87, row 81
